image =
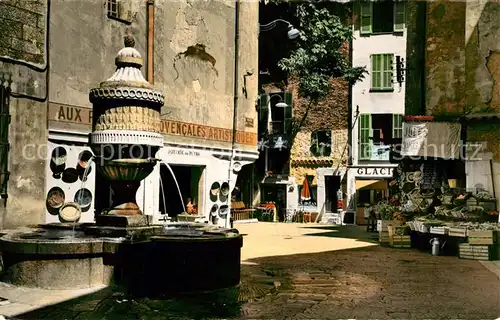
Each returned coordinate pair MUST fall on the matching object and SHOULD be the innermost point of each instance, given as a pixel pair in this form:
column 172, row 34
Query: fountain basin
column 182, row 257
column 126, row 169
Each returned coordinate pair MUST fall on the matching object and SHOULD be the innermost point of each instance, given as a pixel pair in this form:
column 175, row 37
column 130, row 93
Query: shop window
column 321, row 143
column 382, row 66
column 120, row 10
column 377, row 132
column 4, row 139
column 382, row 17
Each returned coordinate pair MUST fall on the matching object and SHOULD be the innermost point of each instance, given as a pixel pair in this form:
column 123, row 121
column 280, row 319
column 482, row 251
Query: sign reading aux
column 375, row 172
column 73, row 114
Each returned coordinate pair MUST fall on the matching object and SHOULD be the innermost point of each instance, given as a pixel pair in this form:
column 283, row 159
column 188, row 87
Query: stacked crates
column 482, row 245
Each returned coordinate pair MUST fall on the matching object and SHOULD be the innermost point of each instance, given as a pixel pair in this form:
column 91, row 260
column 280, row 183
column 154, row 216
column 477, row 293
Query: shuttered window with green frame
column 399, row 16
column 382, row 67
column 371, row 13
column 263, row 113
column 365, row 17
column 397, row 126
column 365, row 129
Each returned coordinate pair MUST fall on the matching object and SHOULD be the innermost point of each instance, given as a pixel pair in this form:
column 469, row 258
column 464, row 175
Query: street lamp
column 292, row 32
column 280, row 104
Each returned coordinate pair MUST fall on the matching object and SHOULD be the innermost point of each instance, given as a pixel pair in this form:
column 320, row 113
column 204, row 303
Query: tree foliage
column 318, row 55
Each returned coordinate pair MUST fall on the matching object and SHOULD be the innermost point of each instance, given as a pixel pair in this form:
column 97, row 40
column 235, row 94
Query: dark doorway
column 332, row 186
column 173, row 203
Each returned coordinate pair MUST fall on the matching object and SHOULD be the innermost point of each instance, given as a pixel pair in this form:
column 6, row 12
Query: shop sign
column 72, row 114
column 182, row 152
column 375, row 172
column 198, row 131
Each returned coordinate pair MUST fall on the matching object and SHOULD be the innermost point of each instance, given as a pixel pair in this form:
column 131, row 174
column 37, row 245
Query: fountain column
column 125, row 134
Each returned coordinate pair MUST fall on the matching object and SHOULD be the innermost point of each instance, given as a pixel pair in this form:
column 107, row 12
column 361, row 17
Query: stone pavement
column 319, row 273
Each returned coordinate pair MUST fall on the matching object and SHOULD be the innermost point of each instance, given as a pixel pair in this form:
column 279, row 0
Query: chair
column 307, row 217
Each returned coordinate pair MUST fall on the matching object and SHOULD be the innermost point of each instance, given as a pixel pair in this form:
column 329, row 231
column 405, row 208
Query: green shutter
column 263, row 112
column 365, row 128
column 397, row 126
column 382, row 71
column 399, row 16
column 365, row 17
column 376, row 71
column 288, row 112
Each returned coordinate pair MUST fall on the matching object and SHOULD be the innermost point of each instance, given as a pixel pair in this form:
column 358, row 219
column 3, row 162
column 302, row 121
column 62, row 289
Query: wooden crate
column 383, row 237
column 400, row 241
column 479, row 252
column 457, row 232
column 438, row 230
column 483, row 237
column 383, row 224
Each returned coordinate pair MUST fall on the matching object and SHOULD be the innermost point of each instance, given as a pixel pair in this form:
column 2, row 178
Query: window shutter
column 364, row 137
column 399, row 16
column 365, row 17
column 397, row 126
column 288, row 112
column 376, row 71
column 263, row 110
column 388, row 67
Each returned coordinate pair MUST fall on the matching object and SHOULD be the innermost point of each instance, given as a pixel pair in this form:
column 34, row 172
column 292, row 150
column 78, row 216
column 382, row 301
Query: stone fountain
column 125, row 139
column 123, row 246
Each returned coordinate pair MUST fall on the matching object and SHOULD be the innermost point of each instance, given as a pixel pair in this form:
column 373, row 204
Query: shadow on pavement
column 347, row 232
column 363, row 283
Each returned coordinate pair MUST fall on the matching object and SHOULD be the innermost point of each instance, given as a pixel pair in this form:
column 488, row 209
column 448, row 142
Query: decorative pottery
column 70, row 212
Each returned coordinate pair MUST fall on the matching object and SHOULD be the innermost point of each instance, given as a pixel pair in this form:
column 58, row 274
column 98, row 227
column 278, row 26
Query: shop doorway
column 190, row 180
column 332, row 186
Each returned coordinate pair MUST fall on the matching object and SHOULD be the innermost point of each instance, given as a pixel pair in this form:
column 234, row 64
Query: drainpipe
column 235, row 92
column 151, row 30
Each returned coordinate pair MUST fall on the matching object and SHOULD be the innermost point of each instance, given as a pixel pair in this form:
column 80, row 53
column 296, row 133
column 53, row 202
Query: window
column 377, row 133
column 120, row 10
column 274, row 119
column 382, row 72
column 364, row 136
column 321, row 143
column 382, row 17
column 397, row 126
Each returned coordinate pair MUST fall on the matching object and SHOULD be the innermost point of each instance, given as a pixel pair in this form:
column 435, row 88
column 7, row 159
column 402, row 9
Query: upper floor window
column 321, row 143
column 376, row 135
column 275, row 113
column 382, row 17
column 120, row 10
column 382, row 66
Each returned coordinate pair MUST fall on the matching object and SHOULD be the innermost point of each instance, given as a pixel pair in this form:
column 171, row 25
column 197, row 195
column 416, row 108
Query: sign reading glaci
column 384, row 172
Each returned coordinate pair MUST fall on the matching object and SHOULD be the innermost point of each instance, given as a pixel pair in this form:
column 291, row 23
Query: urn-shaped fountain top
column 127, row 83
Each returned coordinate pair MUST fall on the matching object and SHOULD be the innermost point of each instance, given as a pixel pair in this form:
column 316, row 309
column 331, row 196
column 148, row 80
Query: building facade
column 200, row 55
column 316, row 151
column 457, row 53
column 378, row 101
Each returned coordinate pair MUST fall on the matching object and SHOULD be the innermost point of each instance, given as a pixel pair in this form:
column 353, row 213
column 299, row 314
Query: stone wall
column 23, row 63
column 22, row 35
column 194, row 63
column 483, row 56
column 445, row 57
column 330, row 114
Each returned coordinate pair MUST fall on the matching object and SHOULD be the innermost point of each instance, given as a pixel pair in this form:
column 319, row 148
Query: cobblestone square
column 356, row 279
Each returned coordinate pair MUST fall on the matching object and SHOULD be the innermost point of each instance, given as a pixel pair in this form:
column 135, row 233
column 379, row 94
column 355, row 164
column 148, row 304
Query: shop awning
column 371, row 184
